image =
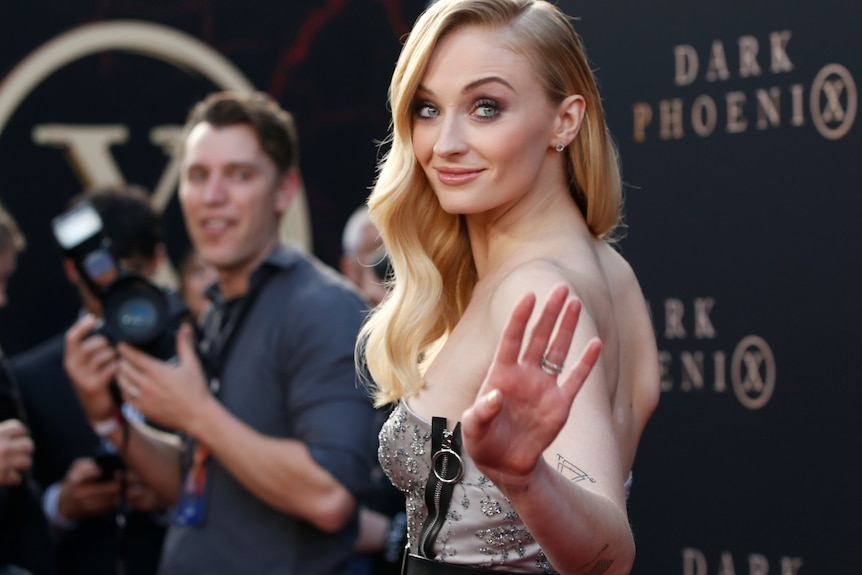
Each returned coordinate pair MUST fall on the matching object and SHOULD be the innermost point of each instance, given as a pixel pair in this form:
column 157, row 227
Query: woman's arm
column 554, row 458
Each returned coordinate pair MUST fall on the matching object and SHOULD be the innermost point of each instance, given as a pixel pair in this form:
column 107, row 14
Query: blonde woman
column 514, row 341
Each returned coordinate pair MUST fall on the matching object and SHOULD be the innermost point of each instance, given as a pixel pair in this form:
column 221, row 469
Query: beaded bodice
column 482, row 528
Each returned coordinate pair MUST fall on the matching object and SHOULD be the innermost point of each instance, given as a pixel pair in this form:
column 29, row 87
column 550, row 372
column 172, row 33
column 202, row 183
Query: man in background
column 363, row 257
column 382, row 521
column 277, row 435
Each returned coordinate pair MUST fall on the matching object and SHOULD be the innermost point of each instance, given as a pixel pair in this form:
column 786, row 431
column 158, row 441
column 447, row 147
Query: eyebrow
column 474, row 84
column 230, row 165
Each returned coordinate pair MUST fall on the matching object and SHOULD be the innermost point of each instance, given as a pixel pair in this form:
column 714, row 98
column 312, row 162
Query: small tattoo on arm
column 601, row 566
column 572, row 471
column 598, row 566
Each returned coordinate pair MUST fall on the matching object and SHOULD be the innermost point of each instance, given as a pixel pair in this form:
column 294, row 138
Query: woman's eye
column 487, row 108
column 426, row 110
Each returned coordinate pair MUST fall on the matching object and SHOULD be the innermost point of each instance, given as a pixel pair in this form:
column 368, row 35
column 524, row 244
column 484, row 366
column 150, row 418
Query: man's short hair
column 129, row 219
column 10, row 233
column 275, row 127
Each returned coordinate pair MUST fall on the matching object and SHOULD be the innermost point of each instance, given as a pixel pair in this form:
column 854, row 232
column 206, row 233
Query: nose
column 451, row 137
column 214, row 191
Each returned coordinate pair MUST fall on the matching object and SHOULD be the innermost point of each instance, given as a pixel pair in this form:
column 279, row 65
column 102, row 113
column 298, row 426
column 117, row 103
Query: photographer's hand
column 91, row 364
column 16, row 450
column 167, row 394
column 83, row 495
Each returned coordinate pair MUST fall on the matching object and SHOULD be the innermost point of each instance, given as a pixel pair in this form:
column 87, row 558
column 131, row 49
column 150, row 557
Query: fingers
column 513, row 335
column 88, row 499
column 80, row 330
column 481, row 414
column 537, row 347
column 133, row 355
column 559, row 349
column 582, row 369
column 16, row 449
column 10, row 478
column 134, row 372
column 12, row 428
column 19, row 453
column 83, row 469
column 130, row 380
column 544, row 327
column 89, row 359
column 487, row 407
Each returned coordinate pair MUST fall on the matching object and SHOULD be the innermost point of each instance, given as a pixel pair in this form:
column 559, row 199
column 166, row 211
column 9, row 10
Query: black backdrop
column 736, row 122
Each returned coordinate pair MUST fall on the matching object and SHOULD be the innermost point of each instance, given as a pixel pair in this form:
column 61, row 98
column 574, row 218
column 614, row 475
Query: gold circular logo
column 752, row 372
column 833, row 101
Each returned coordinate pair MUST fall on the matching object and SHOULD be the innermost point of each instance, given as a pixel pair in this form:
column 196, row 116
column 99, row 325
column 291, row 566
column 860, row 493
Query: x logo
column 834, row 111
column 834, row 117
column 753, row 382
column 754, row 388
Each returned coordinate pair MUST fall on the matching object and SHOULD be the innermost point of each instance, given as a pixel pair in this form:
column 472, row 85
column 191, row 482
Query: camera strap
column 222, row 323
column 220, row 327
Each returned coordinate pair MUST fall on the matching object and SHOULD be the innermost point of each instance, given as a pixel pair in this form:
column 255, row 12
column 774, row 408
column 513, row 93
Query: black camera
column 109, row 464
column 134, row 310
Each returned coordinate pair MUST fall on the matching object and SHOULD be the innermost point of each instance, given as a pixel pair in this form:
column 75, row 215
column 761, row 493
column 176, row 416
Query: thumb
column 82, row 469
column 484, row 410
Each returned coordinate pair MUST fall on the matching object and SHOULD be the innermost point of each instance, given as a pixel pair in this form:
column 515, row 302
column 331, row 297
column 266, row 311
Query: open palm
column 521, row 406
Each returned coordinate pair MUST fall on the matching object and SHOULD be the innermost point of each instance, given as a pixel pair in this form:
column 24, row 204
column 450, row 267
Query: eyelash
column 420, row 110
column 488, row 103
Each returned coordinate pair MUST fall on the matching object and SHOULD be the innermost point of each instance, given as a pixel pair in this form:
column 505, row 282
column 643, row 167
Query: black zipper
column 445, row 445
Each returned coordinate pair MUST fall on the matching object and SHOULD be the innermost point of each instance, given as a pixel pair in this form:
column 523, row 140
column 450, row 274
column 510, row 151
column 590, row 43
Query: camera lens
column 137, row 316
column 135, row 311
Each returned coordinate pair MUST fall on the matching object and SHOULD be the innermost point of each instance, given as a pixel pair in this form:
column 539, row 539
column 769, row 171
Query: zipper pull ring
column 444, row 452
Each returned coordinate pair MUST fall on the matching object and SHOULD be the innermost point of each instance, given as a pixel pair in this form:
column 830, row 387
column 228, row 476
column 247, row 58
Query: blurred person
column 102, row 525
column 276, row 433
column 514, row 339
column 363, row 257
column 25, row 546
column 382, row 521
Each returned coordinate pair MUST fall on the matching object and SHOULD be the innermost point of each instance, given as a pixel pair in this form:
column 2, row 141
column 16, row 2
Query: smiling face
column 232, row 197
column 483, row 127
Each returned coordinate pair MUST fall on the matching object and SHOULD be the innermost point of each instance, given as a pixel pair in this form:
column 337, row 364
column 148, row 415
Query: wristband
column 108, row 426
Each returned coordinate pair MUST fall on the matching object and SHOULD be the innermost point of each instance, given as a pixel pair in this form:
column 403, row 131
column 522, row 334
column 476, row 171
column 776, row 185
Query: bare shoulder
column 615, row 266
column 538, row 277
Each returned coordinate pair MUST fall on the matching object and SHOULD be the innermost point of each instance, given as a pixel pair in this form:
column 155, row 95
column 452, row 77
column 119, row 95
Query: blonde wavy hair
column 433, row 273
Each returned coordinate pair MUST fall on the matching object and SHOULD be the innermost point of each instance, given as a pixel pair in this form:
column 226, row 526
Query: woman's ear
column 570, row 114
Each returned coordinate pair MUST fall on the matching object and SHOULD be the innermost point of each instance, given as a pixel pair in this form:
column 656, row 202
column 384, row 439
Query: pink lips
column 456, row 176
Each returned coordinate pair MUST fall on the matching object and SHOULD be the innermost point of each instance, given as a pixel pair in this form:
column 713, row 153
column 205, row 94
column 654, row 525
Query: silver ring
column 550, row 367
column 133, row 391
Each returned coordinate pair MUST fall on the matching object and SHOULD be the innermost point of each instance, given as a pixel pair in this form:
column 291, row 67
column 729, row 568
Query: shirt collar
column 282, row 257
